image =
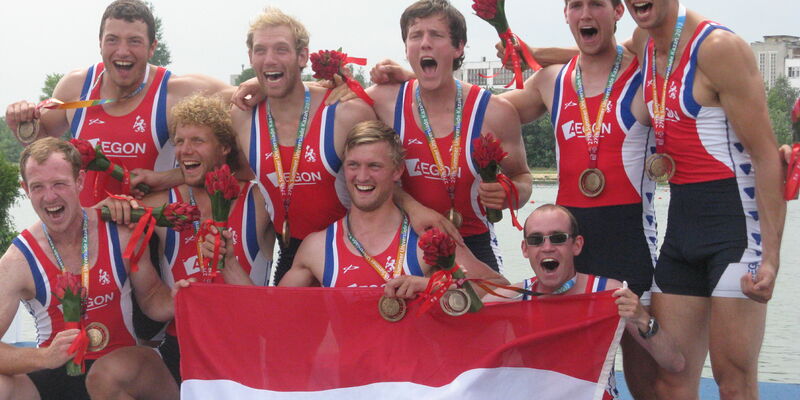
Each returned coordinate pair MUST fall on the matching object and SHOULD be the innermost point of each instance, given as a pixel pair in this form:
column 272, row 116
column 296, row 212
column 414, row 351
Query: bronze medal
column 592, row 182
column 98, row 336
column 27, row 131
column 455, row 217
column 660, row 167
column 392, row 309
column 455, row 302
column 285, row 235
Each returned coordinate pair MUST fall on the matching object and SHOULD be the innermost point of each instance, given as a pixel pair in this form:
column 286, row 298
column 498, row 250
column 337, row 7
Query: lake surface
column 780, row 354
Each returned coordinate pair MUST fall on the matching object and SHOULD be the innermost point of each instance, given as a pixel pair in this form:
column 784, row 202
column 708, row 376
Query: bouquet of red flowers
column 488, row 154
column 440, row 251
column 178, row 216
column 93, row 159
column 494, row 12
column 328, row 63
column 223, row 189
column 793, row 171
column 71, row 295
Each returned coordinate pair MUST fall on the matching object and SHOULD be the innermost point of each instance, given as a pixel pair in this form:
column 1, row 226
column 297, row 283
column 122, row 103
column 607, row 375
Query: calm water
column 780, row 354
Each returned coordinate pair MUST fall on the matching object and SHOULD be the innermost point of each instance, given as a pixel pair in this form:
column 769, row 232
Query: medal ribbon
column 513, row 197
column 438, row 284
column 659, row 105
column 56, row 104
column 592, row 132
column 84, row 252
column 287, row 188
column 146, row 226
column 449, row 180
column 401, row 251
column 793, row 174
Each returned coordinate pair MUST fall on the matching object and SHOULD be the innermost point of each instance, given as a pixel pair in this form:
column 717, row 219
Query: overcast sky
column 208, row 37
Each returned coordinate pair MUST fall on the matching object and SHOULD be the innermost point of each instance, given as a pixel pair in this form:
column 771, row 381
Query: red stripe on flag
column 310, row 339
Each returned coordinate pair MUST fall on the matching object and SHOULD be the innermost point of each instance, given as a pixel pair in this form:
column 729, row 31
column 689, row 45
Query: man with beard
column 132, row 129
column 720, row 256
column 291, row 139
column 72, row 239
column 204, row 140
column 438, row 118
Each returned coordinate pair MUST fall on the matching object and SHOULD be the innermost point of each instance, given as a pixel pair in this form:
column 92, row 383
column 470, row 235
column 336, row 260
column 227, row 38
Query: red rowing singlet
column 316, row 203
column 139, row 139
column 109, row 298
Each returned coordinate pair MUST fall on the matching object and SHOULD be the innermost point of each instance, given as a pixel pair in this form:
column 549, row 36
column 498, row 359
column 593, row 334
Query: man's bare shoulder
column 354, row 111
column 70, row 85
column 185, row 85
column 386, row 92
column 500, row 109
column 722, row 44
column 16, row 280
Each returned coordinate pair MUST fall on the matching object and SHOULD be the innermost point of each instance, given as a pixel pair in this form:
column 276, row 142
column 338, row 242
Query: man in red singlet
column 437, row 109
column 71, row 238
column 374, row 243
column 293, row 131
column 133, row 129
column 204, row 140
column 720, row 257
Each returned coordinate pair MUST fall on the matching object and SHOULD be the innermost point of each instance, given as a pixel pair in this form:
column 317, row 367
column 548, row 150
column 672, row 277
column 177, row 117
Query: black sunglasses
column 556, row 238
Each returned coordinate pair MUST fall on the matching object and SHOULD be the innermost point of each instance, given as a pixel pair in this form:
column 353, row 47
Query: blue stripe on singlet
column 87, row 84
column 330, row 150
column 398, row 108
column 116, row 251
column 162, row 130
column 411, row 257
column 38, row 280
column 330, row 249
column 251, row 236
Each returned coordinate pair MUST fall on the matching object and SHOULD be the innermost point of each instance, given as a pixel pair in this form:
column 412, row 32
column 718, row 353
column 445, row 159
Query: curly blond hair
column 210, row 111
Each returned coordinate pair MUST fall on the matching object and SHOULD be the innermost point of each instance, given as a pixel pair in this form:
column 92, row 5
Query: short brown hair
column 210, row 111
column 272, row 17
column 130, row 10
column 573, row 222
column 41, row 150
column 374, row 131
column 427, row 8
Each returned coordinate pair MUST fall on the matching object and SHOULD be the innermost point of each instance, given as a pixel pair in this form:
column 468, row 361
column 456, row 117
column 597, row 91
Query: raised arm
column 728, row 63
column 51, row 122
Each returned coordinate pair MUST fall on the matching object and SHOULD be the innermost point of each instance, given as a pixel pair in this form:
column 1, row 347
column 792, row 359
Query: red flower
column 87, row 151
column 327, row 63
column 67, row 284
column 221, row 180
column 181, row 216
column 437, row 245
column 486, row 149
column 486, row 9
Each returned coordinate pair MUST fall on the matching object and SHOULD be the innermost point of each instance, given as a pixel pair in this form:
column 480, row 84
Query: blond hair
column 41, row 150
column 209, row 111
column 272, row 17
column 374, row 131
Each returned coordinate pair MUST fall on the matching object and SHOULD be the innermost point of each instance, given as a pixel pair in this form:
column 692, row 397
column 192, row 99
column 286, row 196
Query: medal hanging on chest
column 591, row 182
column 286, row 187
column 450, row 175
column 660, row 167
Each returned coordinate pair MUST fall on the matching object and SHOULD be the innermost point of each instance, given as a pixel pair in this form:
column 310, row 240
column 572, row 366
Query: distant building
column 778, row 55
column 487, row 74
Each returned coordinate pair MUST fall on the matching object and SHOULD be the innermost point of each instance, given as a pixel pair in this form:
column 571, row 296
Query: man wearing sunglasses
column 552, row 241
